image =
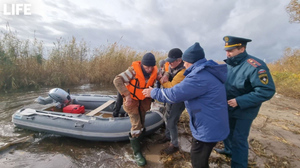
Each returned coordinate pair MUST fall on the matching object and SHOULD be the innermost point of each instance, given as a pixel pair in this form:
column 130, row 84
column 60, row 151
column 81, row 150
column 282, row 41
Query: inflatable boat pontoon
column 91, row 125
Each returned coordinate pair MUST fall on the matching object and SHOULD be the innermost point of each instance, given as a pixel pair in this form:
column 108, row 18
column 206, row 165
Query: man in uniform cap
column 249, row 83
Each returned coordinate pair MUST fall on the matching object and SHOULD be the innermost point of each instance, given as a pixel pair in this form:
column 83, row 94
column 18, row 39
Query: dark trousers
column 237, row 141
column 119, row 102
column 171, row 119
column 200, row 152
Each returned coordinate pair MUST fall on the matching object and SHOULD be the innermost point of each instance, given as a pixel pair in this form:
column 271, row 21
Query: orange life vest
column 137, row 85
column 167, row 66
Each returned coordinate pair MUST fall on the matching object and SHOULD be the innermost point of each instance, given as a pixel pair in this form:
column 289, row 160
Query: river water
column 25, row 148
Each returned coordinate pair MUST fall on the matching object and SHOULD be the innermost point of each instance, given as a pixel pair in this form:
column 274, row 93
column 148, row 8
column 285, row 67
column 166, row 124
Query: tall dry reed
column 67, row 63
column 20, row 62
column 286, row 73
column 109, row 61
column 23, row 63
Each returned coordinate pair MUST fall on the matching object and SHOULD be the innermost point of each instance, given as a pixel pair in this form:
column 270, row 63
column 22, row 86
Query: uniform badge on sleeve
column 263, row 78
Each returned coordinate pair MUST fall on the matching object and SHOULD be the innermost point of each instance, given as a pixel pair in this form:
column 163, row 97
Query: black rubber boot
column 136, row 147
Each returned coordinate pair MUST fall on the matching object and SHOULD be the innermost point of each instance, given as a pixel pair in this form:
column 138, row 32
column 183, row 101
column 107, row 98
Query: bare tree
column 293, row 9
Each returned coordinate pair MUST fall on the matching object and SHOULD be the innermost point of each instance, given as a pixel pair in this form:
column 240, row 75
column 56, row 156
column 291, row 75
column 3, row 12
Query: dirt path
column 274, row 139
column 275, row 135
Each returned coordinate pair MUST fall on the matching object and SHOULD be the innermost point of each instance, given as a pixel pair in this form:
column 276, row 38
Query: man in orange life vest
column 130, row 85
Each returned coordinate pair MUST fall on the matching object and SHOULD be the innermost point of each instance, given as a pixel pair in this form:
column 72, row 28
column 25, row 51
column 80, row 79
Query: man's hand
column 159, row 75
column 164, row 79
column 232, row 103
column 147, row 92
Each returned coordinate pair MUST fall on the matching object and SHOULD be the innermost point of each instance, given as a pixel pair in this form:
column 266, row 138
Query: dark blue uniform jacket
column 250, row 82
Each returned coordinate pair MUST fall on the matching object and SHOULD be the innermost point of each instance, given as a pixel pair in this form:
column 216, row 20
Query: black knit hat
column 174, row 54
column 193, row 53
column 149, row 59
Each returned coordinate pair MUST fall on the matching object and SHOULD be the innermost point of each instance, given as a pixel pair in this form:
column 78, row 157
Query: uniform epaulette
column 253, row 62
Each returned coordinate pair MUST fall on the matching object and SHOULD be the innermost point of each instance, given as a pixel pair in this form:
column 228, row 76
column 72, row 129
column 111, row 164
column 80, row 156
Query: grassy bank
column 23, row 64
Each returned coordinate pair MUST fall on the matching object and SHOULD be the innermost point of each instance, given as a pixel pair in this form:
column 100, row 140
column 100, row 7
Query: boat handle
column 30, row 118
column 79, row 125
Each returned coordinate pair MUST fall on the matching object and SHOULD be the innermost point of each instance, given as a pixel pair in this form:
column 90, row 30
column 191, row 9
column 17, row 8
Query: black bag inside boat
column 74, row 108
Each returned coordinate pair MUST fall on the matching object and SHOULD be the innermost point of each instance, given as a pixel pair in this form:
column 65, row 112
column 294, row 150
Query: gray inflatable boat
column 95, row 124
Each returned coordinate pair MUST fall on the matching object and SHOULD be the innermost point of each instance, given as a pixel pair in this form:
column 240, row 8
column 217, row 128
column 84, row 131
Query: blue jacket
column 203, row 92
column 250, row 83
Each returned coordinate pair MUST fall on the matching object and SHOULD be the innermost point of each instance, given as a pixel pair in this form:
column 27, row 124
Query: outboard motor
column 44, row 101
column 57, row 95
column 60, row 96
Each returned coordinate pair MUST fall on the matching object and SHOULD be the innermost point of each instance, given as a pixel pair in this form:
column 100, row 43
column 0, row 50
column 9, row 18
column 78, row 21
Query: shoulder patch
column 253, row 62
column 263, row 78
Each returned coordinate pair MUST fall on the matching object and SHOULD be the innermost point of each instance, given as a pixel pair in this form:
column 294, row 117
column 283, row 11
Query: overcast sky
column 160, row 25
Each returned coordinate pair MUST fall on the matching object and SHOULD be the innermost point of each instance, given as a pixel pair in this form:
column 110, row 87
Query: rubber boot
column 136, row 147
column 142, row 135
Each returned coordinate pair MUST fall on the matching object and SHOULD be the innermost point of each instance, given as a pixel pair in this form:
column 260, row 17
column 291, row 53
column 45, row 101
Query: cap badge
column 226, row 39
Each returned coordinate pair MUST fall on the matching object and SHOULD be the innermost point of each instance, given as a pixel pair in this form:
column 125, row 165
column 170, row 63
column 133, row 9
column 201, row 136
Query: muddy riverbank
column 274, row 140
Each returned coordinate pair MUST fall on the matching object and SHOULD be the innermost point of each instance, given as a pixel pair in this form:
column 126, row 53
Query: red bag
column 74, row 108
